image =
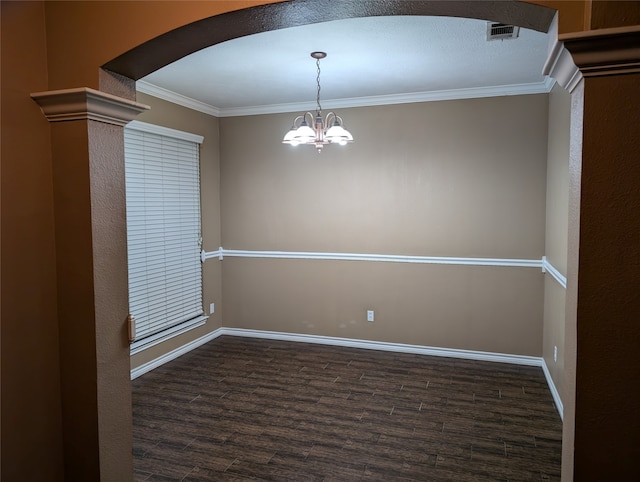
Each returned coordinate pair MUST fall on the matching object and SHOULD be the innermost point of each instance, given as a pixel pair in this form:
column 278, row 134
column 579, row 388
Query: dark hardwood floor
column 252, row 409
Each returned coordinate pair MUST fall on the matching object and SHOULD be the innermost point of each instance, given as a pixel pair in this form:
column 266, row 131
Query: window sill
column 153, row 340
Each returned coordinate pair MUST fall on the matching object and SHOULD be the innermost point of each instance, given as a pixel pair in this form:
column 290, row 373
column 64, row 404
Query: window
column 162, row 174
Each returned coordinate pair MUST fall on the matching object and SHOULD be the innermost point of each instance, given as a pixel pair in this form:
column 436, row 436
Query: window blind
column 162, row 175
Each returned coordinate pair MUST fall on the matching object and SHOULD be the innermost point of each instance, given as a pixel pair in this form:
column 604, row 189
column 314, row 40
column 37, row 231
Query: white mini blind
column 162, row 174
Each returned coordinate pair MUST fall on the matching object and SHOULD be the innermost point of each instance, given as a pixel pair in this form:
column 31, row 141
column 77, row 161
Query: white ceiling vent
column 501, row 31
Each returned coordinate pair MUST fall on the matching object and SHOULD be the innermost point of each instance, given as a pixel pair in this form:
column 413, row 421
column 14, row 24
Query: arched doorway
column 178, row 43
column 164, row 49
column 81, row 37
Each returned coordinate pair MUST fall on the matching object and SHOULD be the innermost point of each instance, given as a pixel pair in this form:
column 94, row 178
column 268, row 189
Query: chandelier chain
column 319, row 110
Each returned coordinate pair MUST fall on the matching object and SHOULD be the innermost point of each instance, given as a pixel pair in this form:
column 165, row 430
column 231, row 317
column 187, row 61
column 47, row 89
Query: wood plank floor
column 252, row 409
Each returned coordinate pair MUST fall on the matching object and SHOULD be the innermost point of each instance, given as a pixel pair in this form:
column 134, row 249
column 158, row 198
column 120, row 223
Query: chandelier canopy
column 316, row 129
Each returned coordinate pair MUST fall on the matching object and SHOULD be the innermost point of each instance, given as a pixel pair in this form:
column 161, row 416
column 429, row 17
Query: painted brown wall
column 90, row 237
column 450, row 183
column 171, row 115
column 31, row 411
column 613, row 13
column 556, row 231
column 84, row 35
column 573, row 15
column 608, row 299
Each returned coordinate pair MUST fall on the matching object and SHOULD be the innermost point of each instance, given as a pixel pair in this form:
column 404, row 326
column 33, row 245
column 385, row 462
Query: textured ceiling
column 367, row 58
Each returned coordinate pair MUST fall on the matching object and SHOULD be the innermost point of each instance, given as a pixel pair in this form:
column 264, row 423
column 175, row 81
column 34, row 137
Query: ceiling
column 370, row 61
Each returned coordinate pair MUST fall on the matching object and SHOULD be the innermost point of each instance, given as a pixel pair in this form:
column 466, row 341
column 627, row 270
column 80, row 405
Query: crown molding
column 84, row 103
column 170, row 96
column 560, row 66
column 543, row 87
column 610, row 51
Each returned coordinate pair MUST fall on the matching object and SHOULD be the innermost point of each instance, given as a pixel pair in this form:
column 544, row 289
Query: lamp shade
column 338, row 134
column 304, row 133
column 290, row 135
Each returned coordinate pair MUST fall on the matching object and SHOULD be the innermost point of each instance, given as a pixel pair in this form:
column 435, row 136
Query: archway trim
column 171, row 46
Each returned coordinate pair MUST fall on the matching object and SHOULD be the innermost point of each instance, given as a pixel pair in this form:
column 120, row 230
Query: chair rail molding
column 221, row 253
column 555, row 274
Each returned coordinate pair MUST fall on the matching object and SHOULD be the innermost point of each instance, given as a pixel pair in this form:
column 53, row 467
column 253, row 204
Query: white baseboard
column 385, row 346
column 553, row 389
column 173, row 354
column 354, row 343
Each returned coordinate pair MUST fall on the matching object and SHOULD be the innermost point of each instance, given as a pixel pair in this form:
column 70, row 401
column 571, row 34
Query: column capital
column 610, row 51
column 85, row 103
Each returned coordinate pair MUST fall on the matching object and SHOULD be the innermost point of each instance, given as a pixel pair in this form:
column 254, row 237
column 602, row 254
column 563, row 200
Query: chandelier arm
column 312, row 120
column 331, row 117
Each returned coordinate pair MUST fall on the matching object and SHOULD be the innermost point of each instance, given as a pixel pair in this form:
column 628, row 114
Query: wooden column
column 91, row 264
column 601, row 436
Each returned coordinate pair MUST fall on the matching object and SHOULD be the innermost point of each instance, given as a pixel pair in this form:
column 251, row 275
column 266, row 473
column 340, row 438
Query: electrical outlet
column 370, row 315
column 212, row 308
column 555, row 353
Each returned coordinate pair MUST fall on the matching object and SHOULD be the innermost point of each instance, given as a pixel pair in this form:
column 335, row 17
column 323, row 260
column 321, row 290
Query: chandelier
column 314, row 129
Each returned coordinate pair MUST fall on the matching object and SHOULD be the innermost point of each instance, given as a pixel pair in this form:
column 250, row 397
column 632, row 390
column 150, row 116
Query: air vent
column 501, row 31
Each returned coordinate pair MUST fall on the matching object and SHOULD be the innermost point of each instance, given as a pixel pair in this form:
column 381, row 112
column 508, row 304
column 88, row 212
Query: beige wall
column 460, row 178
column 557, row 231
column 558, row 178
column 553, row 331
column 171, row 115
column 485, row 195
column 491, row 309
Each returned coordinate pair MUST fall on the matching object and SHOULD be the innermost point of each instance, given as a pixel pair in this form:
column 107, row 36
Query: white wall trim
column 386, row 346
column 335, row 341
column 394, row 258
column 553, row 389
column 559, row 64
column 205, row 255
column 542, row 87
column 179, row 99
column 173, row 354
column 555, row 274
column 164, row 131
column 561, row 67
